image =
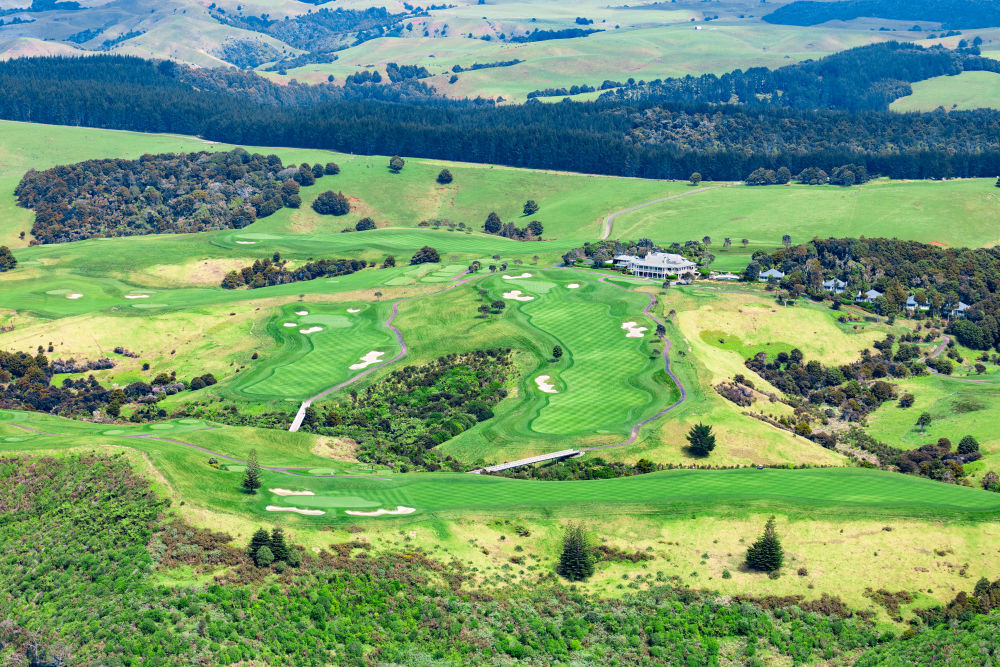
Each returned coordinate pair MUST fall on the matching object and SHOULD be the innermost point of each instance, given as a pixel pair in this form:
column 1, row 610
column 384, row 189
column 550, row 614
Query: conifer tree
column 259, row 539
column 576, row 562
column 766, row 554
column 278, row 546
column 493, row 223
column 702, row 440
column 251, row 478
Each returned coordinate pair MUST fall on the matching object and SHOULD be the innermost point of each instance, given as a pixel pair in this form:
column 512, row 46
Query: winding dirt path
column 611, row 216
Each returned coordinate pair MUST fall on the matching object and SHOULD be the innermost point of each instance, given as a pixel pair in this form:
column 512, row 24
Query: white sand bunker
column 372, row 357
column 517, row 296
column 290, row 324
column 301, row 313
column 311, row 330
column 74, row 295
column 354, row 310
column 247, row 242
column 136, row 296
column 399, row 510
column 544, row 385
column 286, row 492
column 523, row 275
column 572, row 285
column 297, row 510
column 633, row 330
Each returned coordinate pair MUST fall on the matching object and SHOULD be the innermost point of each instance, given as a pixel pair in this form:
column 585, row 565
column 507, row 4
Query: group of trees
column 267, row 549
column 949, row 13
column 531, row 232
column 171, row 193
column 331, row 203
column 274, row 271
column 400, row 419
column 844, row 175
column 7, row 259
column 939, row 277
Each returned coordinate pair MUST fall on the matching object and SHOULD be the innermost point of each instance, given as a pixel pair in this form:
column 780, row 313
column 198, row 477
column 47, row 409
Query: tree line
column 274, row 271
column 649, row 139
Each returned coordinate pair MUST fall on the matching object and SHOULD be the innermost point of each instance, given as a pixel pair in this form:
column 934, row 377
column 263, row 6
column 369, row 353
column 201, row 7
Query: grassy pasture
column 910, row 210
column 968, row 90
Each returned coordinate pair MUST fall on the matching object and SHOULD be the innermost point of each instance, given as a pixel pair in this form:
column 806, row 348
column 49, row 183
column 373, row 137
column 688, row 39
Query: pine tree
column 278, row 546
column 251, row 478
column 259, row 539
column 576, row 562
column 702, row 440
column 766, row 554
column 493, row 223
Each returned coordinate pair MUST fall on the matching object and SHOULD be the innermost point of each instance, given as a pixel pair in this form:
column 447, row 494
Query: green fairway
column 308, row 361
column 848, row 491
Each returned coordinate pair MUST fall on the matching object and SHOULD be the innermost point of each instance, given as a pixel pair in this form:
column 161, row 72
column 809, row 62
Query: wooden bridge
column 564, row 454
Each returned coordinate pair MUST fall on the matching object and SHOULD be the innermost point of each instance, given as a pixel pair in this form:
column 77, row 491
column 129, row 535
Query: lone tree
column 390, row 261
column 493, row 223
column 425, row 255
column 364, row 225
column 696, row 178
column 498, row 305
column 557, row 352
column 444, row 177
column 745, row 242
column 7, row 259
column 576, row 562
column 331, row 203
column 484, row 310
column 923, row 421
column 786, row 241
column 530, row 207
column 702, row 440
column 766, row 554
column 968, row 445
column 991, row 481
column 331, row 169
column 251, row 478
column 396, row 164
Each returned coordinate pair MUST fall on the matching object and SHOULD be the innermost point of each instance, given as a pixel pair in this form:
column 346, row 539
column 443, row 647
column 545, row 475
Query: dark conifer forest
column 649, row 138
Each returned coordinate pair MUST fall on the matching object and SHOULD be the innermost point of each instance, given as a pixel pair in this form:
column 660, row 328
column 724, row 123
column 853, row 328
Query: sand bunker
column 523, row 275
column 354, row 310
column 517, row 296
column 247, row 242
column 290, row 324
column 286, row 492
column 572, row 285
column 633, row 330
column 136, row 296
column 301, row 313
column 297, row 510
column 74, row 295
column 544, row 385
column 399, row 510
column 372, row 357
column 311, row 330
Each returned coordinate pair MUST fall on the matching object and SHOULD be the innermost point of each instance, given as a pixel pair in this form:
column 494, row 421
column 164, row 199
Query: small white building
column 912, row 304
column 770, row 273
column 834, row 285
column 867, row 297
column 656, row 265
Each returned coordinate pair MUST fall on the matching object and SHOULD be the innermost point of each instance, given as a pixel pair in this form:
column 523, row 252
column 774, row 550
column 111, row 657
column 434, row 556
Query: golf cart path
column 611, row 216
column 460, row 279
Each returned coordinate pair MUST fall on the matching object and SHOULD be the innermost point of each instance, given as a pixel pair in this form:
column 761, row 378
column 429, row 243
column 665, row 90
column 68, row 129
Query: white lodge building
column 657, row 265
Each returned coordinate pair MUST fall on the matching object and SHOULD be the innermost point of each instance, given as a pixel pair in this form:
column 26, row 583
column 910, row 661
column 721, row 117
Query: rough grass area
column 968, row 90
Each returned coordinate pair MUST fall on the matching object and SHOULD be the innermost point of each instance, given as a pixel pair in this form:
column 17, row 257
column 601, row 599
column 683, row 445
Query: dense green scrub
column 78, row 579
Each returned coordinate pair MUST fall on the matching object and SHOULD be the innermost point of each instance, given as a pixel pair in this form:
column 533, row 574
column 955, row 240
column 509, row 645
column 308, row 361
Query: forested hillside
column 646, row 139
column 949, row 13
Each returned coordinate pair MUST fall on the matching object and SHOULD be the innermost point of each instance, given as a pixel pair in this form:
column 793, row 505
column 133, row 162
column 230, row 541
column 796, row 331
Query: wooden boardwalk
column 564, row 454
